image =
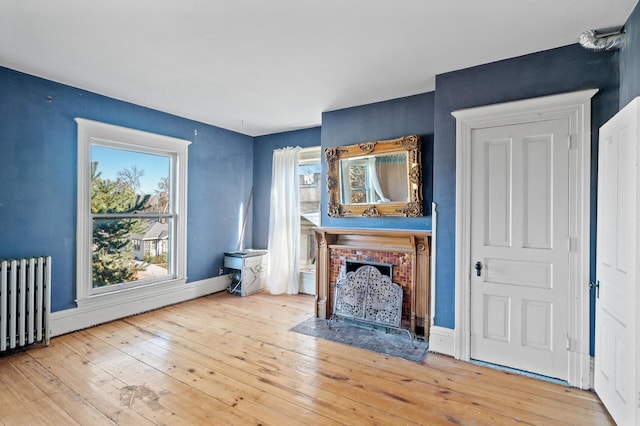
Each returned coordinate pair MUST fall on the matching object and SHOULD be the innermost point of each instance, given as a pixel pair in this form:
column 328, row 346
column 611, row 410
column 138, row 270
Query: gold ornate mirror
column 373, row 179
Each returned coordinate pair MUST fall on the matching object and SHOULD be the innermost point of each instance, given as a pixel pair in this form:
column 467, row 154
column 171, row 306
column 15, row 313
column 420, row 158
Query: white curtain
column 284, row 223
column 375, row 183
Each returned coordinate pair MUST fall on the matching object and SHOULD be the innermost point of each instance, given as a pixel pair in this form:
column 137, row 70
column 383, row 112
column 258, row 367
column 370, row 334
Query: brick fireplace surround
column 409, row 251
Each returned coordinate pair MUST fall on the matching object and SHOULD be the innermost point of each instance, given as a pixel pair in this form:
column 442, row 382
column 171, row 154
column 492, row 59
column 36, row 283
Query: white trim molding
column 101, row 309
column 441, row 340
column 577, row 107
column 434, row 227
column 108, row 135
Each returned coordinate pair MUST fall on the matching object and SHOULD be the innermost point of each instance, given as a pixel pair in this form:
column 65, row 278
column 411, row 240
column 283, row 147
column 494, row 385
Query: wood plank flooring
column 224, row 359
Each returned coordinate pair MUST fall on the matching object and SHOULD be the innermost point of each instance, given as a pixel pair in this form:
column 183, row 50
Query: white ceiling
column 259, row 67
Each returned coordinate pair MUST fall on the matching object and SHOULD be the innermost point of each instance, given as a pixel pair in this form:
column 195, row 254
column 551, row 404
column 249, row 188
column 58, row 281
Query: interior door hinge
column 571, row 141
column 568, row 343
column 572, row 244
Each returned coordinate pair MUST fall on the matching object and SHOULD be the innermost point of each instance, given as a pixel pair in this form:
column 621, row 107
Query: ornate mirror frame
column 409, row 144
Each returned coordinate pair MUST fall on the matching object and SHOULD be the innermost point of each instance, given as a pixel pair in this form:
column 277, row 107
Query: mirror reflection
column 374, row 179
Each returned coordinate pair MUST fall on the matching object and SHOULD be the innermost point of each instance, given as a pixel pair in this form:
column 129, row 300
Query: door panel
column 519, row 233
column 536, row 325
column 616, row 346
column 496, row 322
column 538, row 189
column 498, row 190
column 519, row 273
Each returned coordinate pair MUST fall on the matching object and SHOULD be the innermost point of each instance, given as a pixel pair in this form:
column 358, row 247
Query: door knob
column 478, row 268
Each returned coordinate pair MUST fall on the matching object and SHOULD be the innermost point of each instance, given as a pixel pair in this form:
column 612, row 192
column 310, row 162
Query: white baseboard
column 441, row 340
column 581, row 369
column 88, row 315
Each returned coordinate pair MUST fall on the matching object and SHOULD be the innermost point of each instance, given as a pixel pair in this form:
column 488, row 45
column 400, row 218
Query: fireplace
column 400, row 269
column 368, row 296
column 406, row 252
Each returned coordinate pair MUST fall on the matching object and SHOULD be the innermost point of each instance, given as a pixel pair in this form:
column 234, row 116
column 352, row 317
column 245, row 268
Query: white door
column 520, row 246
column 616, row 349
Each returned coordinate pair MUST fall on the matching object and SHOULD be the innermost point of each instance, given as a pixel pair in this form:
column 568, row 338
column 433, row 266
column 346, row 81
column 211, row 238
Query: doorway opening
column 309, row 184
column 576, row 107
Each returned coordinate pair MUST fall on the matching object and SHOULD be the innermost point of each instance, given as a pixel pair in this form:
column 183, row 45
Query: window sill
column 132, row 294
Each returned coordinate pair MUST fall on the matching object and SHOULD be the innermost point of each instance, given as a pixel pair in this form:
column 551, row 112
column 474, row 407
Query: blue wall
column 38, row 176
column 412, row 115
column 262, row 165
column 630, row 60
column 555, row 71
column 38, row 155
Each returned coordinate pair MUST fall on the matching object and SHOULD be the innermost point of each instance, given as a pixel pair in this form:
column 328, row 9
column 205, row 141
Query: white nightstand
column 249, row 271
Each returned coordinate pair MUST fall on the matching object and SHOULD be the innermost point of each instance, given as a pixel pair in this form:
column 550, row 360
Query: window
column 131, row 209
column 309, row 187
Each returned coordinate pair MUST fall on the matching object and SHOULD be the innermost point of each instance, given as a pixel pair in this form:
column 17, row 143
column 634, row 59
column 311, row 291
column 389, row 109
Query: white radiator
column 25, row 302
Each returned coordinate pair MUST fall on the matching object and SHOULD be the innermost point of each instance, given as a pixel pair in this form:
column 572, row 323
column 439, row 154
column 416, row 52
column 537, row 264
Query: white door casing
column 617, row 351
column 519, row 231
column 576, row 107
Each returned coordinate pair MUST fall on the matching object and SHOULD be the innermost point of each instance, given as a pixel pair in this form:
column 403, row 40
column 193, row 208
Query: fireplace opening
column 352, row 265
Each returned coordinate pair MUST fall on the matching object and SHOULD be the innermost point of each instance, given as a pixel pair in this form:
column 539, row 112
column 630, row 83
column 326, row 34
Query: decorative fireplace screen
column 370, row 297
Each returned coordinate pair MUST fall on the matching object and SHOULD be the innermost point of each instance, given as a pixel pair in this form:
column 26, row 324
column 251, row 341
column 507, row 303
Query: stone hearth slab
column 348, row 333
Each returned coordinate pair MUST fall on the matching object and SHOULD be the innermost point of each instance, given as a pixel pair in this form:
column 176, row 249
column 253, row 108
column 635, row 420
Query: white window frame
column 107, row 135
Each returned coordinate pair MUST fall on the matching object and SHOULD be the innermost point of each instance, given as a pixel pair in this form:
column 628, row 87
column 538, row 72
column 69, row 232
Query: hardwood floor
column 224, row 359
